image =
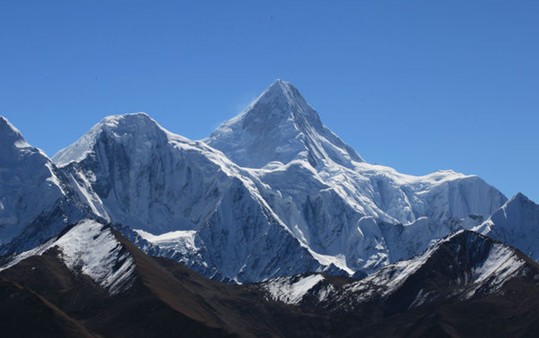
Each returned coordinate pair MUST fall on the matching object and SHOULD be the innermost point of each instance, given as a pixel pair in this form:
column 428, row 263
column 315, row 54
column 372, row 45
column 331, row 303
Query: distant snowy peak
column 92, row 249
column 10, row 136
column 30, row 187
column 516, row 223
column 129, row 128
column 132, row 171
column 280, row 126
column 15, row 150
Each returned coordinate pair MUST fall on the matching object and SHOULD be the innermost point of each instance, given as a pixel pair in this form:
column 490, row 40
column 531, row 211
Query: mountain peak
column 10, row 136
column 125, row 128
column 519, row 197
column 285, row 101
column 280, row 126
column 126, row 122
column 280, row 90
column 280, row 84
column 516, row 223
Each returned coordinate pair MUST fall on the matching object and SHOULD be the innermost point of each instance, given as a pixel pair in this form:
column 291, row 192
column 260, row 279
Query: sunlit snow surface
column 29, row 186
column 291, row 290
column 490, row 270
column 182, row 241
column 271, row 192
column 90, row 248
column 516, row 223
column 500, row 264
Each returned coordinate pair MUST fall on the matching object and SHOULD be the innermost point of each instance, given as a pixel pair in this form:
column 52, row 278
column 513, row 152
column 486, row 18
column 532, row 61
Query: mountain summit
column 34, row 202
column 10, row 137
column 280, row 174
column 280, row 126
column 516, row 223
column 135, row 128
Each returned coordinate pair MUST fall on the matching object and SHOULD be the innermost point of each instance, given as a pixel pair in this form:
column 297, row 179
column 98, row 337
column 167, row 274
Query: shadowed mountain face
column 465, row 285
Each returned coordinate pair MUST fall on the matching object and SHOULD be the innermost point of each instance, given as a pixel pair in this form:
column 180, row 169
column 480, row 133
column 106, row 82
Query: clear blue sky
column 417, row 85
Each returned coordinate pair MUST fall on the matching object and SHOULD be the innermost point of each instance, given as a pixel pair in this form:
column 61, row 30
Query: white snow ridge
column 92, row 249
column 291, row 290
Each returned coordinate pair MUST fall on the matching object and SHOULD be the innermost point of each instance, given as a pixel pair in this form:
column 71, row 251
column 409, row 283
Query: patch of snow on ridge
column 501, row 263
column 26, row 254
column 326, row 260
column 389, row 278
column 91, row 248
column 291, row 290
column 182, row 241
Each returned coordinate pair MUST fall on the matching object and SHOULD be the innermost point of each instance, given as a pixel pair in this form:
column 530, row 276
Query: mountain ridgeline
column 270, row 193
column 270, row 226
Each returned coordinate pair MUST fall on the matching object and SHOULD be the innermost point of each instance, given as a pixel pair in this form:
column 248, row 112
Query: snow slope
column 291, row 290
column 35, row 203
column 92, row 249
column 516, row 223
column 285, row 195
column 463, row 265
column 473, row 261
column 138, row 174
column 280, row 126
column 341, row 206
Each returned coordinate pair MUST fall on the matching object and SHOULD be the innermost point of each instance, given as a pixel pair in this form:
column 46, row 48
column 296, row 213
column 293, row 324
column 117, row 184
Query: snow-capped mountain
column 272, row 196
column 363, row 215
column 336, row 204
column 280, row 126
column 463, row 266
column 35, row 202
column 134, row 172
column 305, row 202
column 466, row 285
column 516, row 224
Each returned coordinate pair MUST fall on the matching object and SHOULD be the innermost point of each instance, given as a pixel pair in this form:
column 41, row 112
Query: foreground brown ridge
column 41, row 296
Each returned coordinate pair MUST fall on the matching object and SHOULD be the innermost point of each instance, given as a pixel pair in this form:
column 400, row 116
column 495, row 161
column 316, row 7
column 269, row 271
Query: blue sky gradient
column 416, row 85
